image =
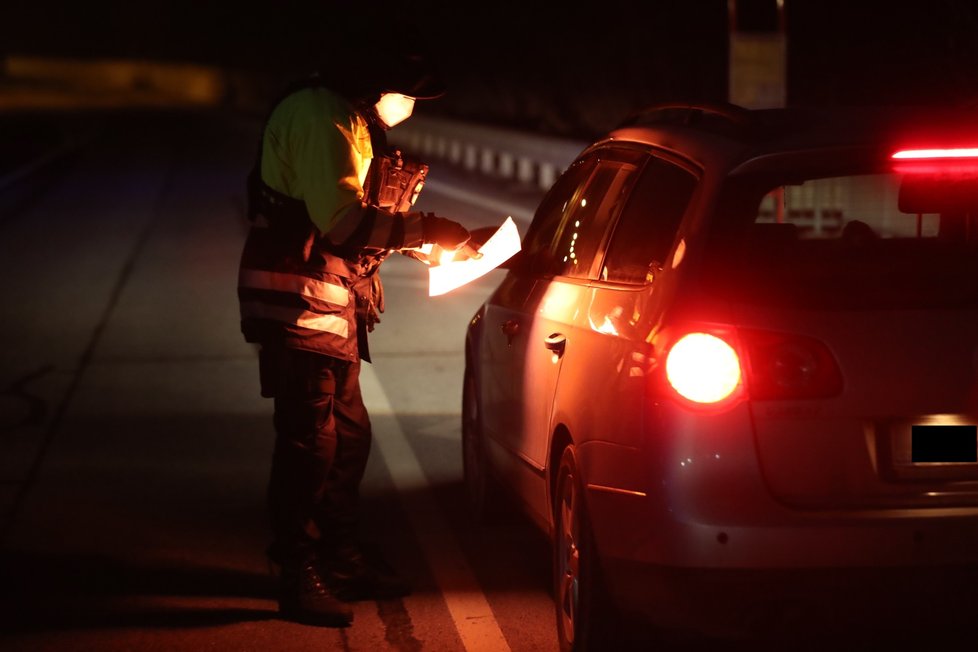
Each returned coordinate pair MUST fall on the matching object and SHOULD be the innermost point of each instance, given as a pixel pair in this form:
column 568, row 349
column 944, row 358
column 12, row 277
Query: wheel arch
column 560, row 440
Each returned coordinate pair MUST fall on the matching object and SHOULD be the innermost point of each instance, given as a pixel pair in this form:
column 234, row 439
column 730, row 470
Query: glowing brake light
column 716, row 370
column 703, row 368
column 930, row 154
column 943, row 162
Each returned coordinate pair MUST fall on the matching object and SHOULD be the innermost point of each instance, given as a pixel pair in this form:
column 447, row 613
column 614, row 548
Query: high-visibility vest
column 294, row 287
column 293, row 290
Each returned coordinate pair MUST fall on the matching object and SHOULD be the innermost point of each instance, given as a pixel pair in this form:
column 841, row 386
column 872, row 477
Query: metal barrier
column 504, row 153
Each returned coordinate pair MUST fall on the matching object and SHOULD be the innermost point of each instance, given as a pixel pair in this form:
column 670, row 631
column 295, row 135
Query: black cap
column 394, row 60
column 409, row 73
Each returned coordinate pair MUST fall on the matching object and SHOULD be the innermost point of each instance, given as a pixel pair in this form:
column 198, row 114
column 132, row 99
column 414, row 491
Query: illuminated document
column 500, row 247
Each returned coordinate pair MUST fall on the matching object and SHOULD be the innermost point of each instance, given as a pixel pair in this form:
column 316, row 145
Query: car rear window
column 861, row 241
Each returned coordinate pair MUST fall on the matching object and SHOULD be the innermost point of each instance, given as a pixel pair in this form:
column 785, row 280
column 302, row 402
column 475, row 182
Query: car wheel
column 582, row 614
column 483, row 491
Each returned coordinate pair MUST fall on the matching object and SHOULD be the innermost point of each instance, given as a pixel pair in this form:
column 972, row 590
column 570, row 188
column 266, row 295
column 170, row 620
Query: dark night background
column 562, row 68
column 132, row 493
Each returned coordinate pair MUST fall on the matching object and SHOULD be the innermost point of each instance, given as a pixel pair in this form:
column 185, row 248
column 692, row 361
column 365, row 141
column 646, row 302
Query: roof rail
column 734, row 117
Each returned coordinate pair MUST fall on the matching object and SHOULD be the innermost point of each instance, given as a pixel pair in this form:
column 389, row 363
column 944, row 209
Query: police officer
column 309, row 291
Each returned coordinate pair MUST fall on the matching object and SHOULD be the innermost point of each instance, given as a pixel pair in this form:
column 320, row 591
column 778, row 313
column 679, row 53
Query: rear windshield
column 867, row 240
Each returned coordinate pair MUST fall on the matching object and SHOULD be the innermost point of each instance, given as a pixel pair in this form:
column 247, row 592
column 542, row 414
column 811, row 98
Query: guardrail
column 505, row 153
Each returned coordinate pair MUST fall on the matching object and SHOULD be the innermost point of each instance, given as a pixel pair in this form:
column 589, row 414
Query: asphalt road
column 134, row 447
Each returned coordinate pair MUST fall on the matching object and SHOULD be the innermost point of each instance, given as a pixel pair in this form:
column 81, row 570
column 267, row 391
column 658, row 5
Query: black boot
column 304, row 597
column 352, row 577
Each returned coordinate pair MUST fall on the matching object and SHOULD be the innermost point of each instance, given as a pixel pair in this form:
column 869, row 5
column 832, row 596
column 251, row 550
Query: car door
column 603, row 385
column 505, row 321
column 563, row 260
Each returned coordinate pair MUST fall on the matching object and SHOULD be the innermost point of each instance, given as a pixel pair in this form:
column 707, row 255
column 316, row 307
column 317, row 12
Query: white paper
column 498, row 249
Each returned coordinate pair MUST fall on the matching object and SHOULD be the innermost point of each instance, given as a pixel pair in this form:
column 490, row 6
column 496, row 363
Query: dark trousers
column 321, row 447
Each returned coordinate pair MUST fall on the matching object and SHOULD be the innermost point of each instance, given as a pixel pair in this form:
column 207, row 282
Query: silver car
column 734, row 369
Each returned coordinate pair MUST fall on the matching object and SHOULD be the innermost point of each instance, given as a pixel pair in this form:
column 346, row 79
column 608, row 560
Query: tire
column 584, row 619
column 485, row 495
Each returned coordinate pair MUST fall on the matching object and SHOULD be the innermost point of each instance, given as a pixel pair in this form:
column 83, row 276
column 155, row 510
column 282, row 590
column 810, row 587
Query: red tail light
column 946, row 161
column 924, row 154
column 717, row 369
column 789, row 366
column 703, row 368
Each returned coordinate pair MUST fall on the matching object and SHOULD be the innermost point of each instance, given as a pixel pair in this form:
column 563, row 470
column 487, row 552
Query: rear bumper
column 694, row 496
column 704, row 522
column 777, row 572
column 690, row 536
column 877, row 604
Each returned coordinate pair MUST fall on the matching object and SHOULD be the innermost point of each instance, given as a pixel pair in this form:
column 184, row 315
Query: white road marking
column 473, row 617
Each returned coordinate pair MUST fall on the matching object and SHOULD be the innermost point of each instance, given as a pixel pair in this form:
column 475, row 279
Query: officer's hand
column 438, row 255
column 442, row 232
column 467, row 251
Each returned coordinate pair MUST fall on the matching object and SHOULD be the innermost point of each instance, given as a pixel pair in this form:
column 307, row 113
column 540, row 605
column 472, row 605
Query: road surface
column 135, row 447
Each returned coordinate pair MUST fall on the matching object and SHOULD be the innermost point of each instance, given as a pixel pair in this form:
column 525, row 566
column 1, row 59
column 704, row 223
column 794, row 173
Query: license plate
column 938, row 447
column 944, row 444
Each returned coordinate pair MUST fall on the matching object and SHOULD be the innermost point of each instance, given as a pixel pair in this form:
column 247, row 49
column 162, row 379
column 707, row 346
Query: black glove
column 443, row 232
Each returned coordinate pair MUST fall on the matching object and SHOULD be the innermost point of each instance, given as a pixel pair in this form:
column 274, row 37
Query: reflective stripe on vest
column 259, row 279
column 335, row 324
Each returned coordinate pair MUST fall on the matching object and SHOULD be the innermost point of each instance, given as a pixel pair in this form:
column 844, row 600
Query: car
column 734, row 368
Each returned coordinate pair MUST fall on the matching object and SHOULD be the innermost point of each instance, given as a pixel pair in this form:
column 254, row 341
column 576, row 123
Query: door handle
column 510, row 329
column 555, row 342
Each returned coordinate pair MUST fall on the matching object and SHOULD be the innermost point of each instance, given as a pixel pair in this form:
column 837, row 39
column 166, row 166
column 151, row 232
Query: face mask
column 394, row 108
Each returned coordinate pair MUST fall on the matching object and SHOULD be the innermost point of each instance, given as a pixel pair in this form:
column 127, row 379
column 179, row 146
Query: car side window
column 649, row 222
column 537, row 249
column 581, row 234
